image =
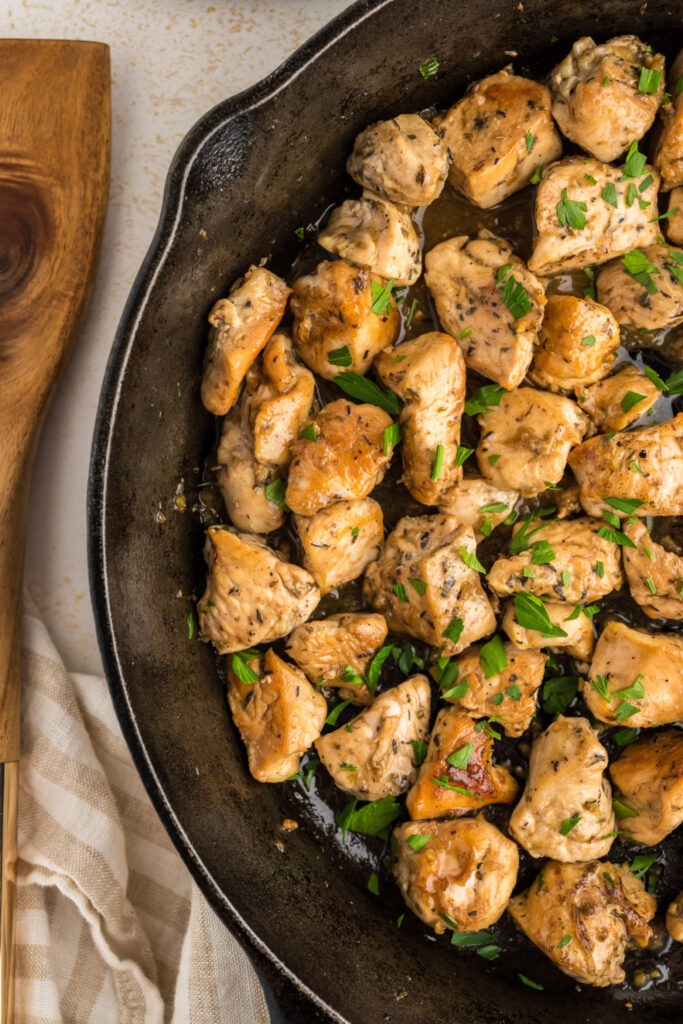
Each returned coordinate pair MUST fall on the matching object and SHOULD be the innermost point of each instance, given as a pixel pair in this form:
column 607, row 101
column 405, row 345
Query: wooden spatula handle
column 54, row 180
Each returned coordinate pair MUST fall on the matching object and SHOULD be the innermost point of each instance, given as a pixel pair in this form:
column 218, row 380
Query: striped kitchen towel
column 111, row 929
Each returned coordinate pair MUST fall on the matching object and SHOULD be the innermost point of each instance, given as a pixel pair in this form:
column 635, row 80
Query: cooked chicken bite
column 674, row 918
column 584, row 917
column 603, row 467
column 509, row 694
column 597, row 101
column 428, row 375
column 241, row 326
column 656, row 299
column 565, row 559
column 617, row 401
column 252, row 595
column 655, row 575
column 674, row 220
column 578, row 641
column 635, row 677
column 327, row 648
column 340, row 541
column 279, row 715
column 498, row 134
column 461, row 877
column 611, row 227
column 335, row 329
column 402, row 159
column 480, row 505
column 243, row 480
column 668, row 158
column 345, row 461
column 458, row 774
column 526, row 439
column 423, row 585
column 257, row 433
column 488, row 300
column 279, row 398
column 648, row 779
column 371, row 232
column 565, row 811
column 373, row 756
column 578, row 342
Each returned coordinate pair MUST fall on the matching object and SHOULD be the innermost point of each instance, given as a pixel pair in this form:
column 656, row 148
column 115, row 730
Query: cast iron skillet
column 254, row 169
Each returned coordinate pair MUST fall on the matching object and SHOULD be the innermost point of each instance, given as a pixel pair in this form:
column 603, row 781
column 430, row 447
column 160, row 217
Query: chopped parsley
column 569, row 823
column 275, row 492
column 624, row 737
column 641, row 864
column 300, row 233
column 340, row 356
column 600, row 569
column 541, row 553
column 392, row 436
column 609, row 194
column 357, row 386
column 529, row 140
column 536, row 176
column 484, row 398
column 631, row 399
column 460, row 758
column 437, row 466
column 429, row 68
column 464, row 333
column 649, row 80
column 419, row 750
column 418, row 841
column 529, row 983
column 601, row 686
column 626, row 505
column 638, row 266
column 239, row 663
column 370, row 820
column 622, row 811
column 308, row 433
column 411, row 314
column 336, row 711
column 400, row 592
column 532, row 614
column 463, row 455
column 588, row 340
column 634, row 164
column 453, row 630
column 373, row 883
column 470, row 559
column 493, row 657
column 558, row 693
column 570, row 212
column 564, row 941
column 381, row 298
column 419, row 586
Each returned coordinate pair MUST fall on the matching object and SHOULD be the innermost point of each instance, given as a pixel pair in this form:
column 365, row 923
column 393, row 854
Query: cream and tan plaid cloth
column 111, row 928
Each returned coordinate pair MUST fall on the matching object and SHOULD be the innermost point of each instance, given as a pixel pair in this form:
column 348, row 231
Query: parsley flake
column 460, row 758
column 570, row 212
column 356, row 386
column 437, row 466
column 649, row 80
column 340, row 356
column 484, row 398
column 569, row 823
column 529, row 140
column 638, row 266
column 429, row 68
column 418, row 841
column 381, row 298
column 631, row 399
column 493, row 657
column 532, row 614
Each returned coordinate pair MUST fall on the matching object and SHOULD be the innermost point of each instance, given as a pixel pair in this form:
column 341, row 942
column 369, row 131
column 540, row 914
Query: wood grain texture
column 55, row 126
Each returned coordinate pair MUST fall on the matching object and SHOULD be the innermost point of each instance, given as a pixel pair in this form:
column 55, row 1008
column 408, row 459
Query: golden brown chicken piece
column 653, row 302
column 578, row 342
column 241, row 326
column 508, row 695
column 344, row 463
column 674, row 221
column 668, row 158
column 257, row 433
column 674, row 918
column 327, row 648
column 279, row 715
column 640, row 674
column 461, row 877
column 579, row 641
column 335, row 329
column 526, row 439
column 458, row 774
column 655, row 575
column 498, row 134
column 470, row 281
column 428, row 375
column 565, row 559
column 617, row 401
column 584, row 917
column 597, row 99
column 603, row 467
column 402, row 160
column 252, row 596
column 371, row 232
column 340, row 541
column 611, row 227
column 648, row 779
column 422, row 583
column 565, row 811
column 279, row 398
column 480, row 505
column 243, row 480
column 373, row 756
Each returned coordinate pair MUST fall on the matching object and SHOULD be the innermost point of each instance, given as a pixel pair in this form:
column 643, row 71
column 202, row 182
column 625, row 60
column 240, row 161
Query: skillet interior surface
column 251, row 171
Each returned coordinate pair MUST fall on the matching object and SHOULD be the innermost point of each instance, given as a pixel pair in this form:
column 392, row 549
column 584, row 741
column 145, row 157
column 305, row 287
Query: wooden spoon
column 54, row 181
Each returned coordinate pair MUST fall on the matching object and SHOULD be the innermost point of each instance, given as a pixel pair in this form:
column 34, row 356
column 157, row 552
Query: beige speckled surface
column 171, row 61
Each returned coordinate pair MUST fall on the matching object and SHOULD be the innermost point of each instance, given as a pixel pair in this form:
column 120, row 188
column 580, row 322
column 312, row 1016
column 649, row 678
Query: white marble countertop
column 172, row 60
